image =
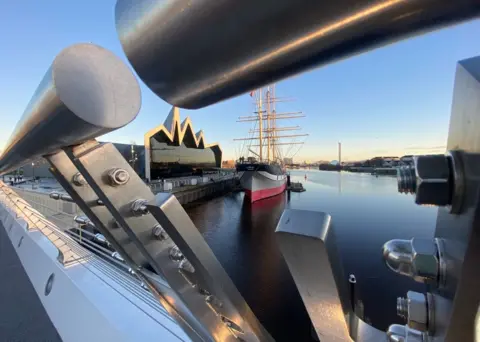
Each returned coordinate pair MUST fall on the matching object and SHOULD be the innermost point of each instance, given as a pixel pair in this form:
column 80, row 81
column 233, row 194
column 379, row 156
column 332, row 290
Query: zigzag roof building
column 174, row 133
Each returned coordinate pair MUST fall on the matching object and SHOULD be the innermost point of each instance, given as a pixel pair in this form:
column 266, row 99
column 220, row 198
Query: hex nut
column 425, row 261
column 433, row 180
column 417, row 311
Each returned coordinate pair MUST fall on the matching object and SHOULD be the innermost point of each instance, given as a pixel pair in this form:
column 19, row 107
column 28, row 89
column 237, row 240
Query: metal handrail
column 196, row 53
column 87, row 92
column 99, row 249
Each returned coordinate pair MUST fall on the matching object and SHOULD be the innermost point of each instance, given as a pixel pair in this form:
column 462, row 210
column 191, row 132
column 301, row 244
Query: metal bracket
column 124, row 219
column 308, row 244
column 203, row 271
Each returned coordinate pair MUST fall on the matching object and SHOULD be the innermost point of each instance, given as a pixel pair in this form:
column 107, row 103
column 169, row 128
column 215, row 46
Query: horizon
column 394, row 100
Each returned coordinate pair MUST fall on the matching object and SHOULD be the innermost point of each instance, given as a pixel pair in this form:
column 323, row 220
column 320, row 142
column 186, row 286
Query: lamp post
column 33, row 173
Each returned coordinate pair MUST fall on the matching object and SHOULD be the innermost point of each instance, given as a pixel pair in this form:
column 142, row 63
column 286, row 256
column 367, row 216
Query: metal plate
column 94, row 164
column 64, row 171
column 461, row 233
column 209, row 273
column 308, row 245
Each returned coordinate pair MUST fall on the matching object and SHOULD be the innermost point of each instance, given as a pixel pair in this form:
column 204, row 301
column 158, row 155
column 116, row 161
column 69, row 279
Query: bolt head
column 433, row 180
column 118, row 176
column 117, row 256
column 139, row 207
column 159, row 232
column 176, row 254
column 121, row 176
column 425, row 261
column 54, row 196
column 78, row 179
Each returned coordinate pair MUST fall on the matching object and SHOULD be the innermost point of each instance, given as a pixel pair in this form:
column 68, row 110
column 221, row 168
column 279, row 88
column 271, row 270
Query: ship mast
column 260, row 122
column 268, row 130
column 273, row 119
column 268, row 123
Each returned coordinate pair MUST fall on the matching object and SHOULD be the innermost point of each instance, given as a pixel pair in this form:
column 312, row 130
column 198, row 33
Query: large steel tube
column 87, row 92
column 195, row 53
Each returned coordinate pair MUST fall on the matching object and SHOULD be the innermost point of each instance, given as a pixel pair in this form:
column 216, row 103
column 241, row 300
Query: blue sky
column 394, row 100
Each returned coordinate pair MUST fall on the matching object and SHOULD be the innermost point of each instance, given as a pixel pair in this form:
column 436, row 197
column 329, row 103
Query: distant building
column 174, row 150
column 288, row 161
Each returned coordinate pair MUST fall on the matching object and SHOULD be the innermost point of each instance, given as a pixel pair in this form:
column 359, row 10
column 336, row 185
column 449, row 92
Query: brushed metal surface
column 87, row 92
column 188, row 301
column 308, row 244
column 196, row 53
column 94, row 164
column 64, row 171
column 208, row 272
column 460, row 234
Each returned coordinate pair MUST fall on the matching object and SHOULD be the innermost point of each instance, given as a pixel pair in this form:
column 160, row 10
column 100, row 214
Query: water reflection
column 242, row 238
column 366, row 212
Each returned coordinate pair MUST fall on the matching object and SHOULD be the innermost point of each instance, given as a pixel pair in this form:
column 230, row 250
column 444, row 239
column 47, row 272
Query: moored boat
column 263, row 175
column 261, row 180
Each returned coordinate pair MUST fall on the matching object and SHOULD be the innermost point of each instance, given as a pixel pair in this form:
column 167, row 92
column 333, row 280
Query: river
column 366, row 212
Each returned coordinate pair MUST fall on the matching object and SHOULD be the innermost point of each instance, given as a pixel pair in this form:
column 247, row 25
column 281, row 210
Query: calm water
column 366, row 212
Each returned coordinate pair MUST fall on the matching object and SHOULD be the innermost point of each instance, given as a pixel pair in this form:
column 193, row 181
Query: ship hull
column 262, row 181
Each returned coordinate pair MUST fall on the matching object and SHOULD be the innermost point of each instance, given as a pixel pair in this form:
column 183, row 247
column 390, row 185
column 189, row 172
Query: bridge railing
column 77, row 279
column 88, row 92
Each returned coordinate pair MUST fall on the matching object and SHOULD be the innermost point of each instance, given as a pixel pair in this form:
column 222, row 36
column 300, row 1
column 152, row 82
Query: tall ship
column 262, row 166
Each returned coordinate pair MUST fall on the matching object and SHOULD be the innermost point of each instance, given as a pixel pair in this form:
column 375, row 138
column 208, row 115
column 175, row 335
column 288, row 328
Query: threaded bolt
column 402, row 307
column 406, row 180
